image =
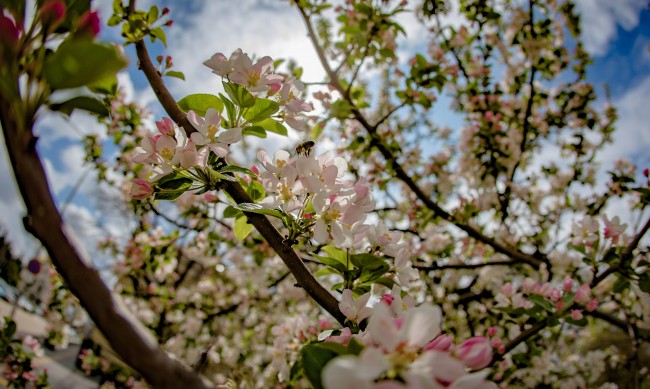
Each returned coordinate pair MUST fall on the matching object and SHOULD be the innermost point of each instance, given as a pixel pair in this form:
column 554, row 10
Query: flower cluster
column 404, row 348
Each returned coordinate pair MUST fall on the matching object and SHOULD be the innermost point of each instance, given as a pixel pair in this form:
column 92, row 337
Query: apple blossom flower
column 355, row 310
column 576, row 314
column 165, row 126
column 220, row 64
column 141, row 189
column 411, row 331
column 255, row 77
column 475, row 352
column 355, row 372
column 614, row 228
column 583, row 294
column 441, row 343
column 207, row 129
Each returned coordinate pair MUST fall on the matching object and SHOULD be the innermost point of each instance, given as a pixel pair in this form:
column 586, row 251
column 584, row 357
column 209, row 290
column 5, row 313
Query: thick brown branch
column 399, row 170
column 304, row 278
column 130, row 340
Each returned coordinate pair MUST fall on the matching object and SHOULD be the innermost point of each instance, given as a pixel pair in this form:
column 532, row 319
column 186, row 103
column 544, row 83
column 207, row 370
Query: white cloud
column 600, row 19
column 632, row 139
column 257, row 27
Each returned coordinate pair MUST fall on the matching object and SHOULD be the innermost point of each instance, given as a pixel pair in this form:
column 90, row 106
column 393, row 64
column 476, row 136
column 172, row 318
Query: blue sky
column 617, row 33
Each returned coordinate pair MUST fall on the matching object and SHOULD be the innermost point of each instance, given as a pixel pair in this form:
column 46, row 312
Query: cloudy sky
column 617, row 33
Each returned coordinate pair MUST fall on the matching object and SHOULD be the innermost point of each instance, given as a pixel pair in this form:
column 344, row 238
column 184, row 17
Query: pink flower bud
column 555, row 294
column 476, row 352
column 324, row 324
column 387, row 299
column 528, row 285
column 210, row 197
column 492, row 331
column 8, row 31
column 165, row 11
column 592, row 305
column 576, row 314
column 166, row 126
column 440, row 343
column 255, row 169
column 169, row 23
column 159, row 58
column 52, row 12
column 583, row 294
column 567, row 284
column 560, row 305
column 646, row 172
column 89, row 24
column 507, row 289
column 497, row 343
column 141, row 189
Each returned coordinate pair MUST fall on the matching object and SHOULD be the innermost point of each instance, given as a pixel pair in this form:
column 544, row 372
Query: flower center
column 212, row 130
column 331, row 215
column 167, row 153
column 285, row 192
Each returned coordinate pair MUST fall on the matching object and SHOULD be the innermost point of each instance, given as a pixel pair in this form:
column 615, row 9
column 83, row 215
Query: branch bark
column 128, row 337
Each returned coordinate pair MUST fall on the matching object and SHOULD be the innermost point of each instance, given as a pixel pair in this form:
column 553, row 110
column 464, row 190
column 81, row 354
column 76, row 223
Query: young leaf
column 237, row 169
column 242, row 228
column 200, row 103
column 262, row 109
column 273, row 126
column 255, row 131
column 239, row 95
column 175, row 74
column 81, row 62
column 85, row 103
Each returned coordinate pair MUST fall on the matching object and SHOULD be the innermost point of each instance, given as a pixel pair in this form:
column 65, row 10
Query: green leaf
column 220, row 176
column 107, row 85
column 335, row 253
column 314, row 358
column 332, row 263
column 541, row 302
column 374, row 272
column 242, row 228
column 644, row 282
column 168, row 194
column 159, row 33
column 81, row 62
column 256, row 208
column 237, row 169
column 175, row 74
column 152, row 15
column 85, row 103
column 230, row 110
column 256, row 191
column 239, row 95
column 325, row 271
column 174, row 180
column 200, row 103
column 255, row 131
column 262, row 109
column 231, row 212
column 365, row 260
column 273, row 126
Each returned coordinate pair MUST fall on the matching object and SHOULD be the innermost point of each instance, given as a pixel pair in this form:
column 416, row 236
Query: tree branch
column 128, row 337
column 464, row 265
column 399, row 170
column 303, row 277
